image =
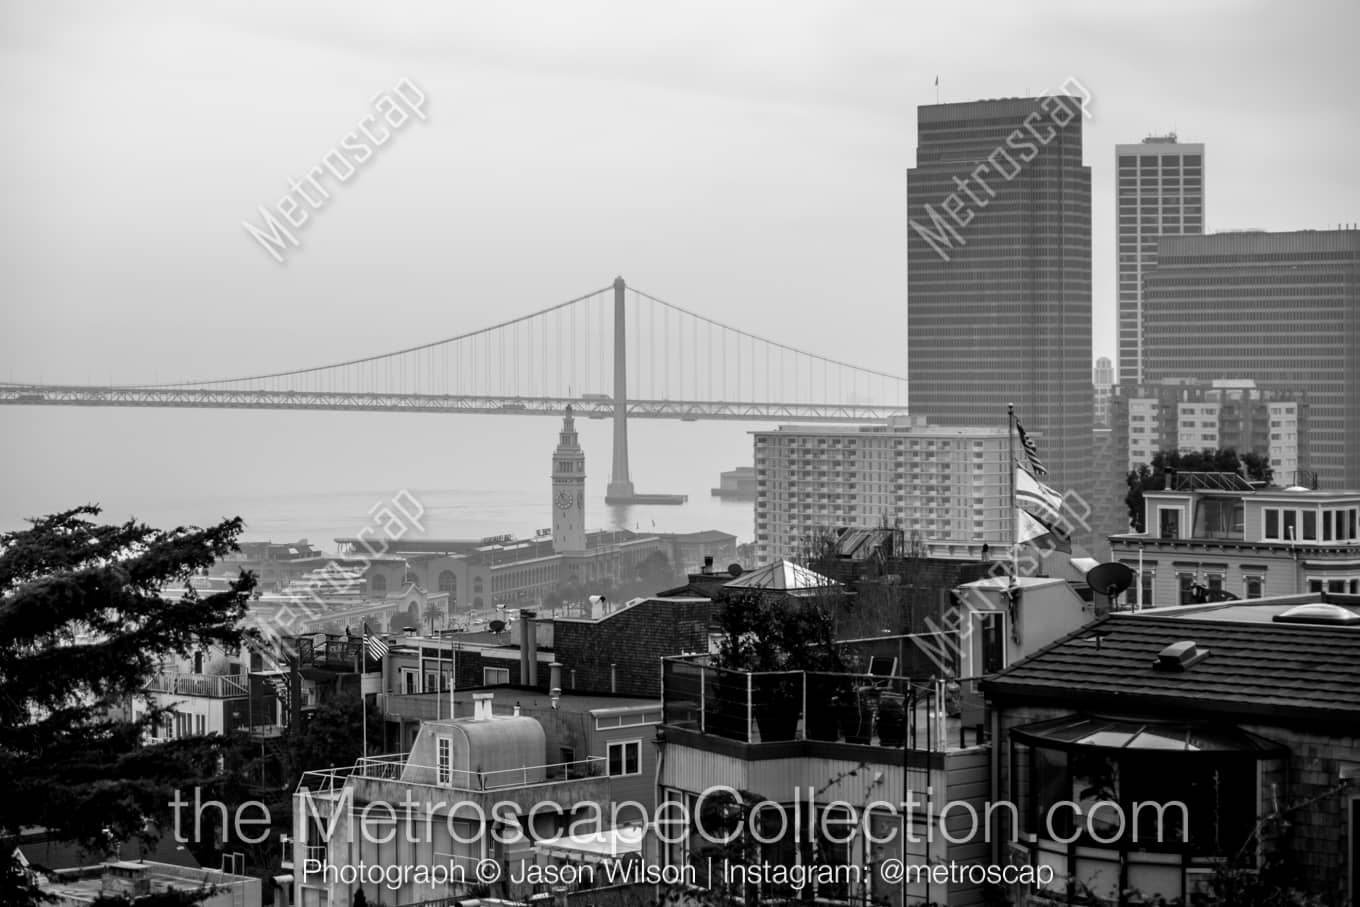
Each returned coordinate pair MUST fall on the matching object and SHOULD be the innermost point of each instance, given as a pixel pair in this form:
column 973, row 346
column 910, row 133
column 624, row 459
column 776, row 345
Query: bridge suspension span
column 617, row 353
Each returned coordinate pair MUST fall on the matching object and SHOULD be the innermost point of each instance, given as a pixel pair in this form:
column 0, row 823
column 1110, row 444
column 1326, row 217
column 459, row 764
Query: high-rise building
column 1280, row 308
column 1161, row 193
column 1189, row 416
column 947, row 484
column 1102, row 379
column 999, row 267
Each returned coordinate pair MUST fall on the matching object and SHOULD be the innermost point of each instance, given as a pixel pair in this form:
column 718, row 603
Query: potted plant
column 856, row 715
column 892, row 720
column 776, row 638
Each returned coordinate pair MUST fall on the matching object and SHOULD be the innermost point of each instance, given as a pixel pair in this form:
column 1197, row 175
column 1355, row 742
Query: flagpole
column 363, row 703
column 1010, row 474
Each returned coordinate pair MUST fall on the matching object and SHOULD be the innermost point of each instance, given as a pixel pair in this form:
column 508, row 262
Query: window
column 1169, row 522
column 1147, row 585
column 378, row 584
column 1272, row 530
column 625, row 758
column 1252, row 586
column 448, row 582
column 1186, row 584
column 1310, row 525
column 493, row 676
column 444, row 760
column 1291, row 525
column 408, row 680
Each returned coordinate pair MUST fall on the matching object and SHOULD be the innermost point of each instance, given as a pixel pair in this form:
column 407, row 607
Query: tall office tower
column 999, row 274
column 1281, row 308
column 949, row 484
column 1161, row 193
column 1102, row 379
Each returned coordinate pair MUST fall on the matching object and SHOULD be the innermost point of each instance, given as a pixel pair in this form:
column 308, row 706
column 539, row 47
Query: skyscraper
column 1280, row 308
column 1161, row 193
column 999, row 274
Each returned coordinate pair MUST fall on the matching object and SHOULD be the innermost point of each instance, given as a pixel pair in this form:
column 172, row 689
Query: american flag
column 376, row 646
column 1031, row 452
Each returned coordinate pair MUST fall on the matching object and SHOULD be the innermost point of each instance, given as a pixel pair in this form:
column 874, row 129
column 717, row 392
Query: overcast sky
column 745, row 160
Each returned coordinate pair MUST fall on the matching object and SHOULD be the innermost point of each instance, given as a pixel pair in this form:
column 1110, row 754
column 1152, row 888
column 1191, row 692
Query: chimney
column 708, row 565
column 613, row 677
column 481, row 705
column 555, row 676
column 528, row 648
column 516, row 709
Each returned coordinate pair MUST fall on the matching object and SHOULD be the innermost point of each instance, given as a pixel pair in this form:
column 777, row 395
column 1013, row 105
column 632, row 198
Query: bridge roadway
column 594, row 406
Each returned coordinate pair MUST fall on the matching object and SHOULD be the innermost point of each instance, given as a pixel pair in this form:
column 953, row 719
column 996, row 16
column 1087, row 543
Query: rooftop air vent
column 1180, row 656
column 1319, row 613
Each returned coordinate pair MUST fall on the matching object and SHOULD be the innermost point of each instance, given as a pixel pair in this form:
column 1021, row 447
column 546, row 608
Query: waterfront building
column 1280, row 308
column 999, row 274
column 945, row 484
column 505, row 571
column 1160, row 192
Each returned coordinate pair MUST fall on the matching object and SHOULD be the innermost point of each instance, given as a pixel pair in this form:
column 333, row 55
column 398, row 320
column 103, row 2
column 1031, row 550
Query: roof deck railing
column 393, row 767
column 869, row 708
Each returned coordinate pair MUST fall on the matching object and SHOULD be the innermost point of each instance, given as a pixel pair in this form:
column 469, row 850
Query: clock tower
column 569, row 491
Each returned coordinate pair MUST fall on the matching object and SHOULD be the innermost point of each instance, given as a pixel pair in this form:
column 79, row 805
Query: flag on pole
column 1030, row 530
column 1043, row 501
column 1031, row 452
column 376, row 647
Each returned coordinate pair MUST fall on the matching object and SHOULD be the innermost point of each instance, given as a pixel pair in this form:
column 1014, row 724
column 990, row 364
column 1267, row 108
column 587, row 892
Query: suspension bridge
column 615, row 353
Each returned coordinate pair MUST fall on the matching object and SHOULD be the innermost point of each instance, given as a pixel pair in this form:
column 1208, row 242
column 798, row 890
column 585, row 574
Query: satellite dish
column 734, row 570
column 1110, row 579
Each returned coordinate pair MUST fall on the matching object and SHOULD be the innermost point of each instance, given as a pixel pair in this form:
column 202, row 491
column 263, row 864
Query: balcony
column 861, row 710
column 213, row 686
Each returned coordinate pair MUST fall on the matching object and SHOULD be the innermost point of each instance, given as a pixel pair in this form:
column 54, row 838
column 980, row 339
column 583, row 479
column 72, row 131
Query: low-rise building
column 135, row 879
column 454, row 818
column 1148, row 753
column 1210, row 535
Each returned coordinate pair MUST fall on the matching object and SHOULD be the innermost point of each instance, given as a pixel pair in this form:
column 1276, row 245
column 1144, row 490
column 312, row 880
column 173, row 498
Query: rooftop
column 1243, row 661
column 782, row 576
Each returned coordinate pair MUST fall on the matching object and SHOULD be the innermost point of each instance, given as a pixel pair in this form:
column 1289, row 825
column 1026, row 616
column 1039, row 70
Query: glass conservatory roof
column 1078, row 731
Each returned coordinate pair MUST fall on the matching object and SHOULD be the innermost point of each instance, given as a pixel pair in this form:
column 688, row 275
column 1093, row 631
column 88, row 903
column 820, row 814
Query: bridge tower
column 620, row 488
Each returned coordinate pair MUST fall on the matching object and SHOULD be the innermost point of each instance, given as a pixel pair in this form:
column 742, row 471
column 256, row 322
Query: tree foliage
column 83, row 629
column 1152, row 476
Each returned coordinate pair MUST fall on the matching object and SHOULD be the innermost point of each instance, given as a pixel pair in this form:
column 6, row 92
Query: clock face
column 564, row 500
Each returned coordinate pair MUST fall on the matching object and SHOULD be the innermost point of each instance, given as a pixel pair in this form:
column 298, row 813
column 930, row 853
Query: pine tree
column 84, row 626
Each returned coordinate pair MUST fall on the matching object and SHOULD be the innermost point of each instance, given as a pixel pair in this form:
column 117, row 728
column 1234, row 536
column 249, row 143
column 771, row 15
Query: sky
column 747, row 161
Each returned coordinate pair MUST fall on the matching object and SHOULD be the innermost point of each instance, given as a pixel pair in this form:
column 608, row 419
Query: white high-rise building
column 949, row 484
column 1160, row 192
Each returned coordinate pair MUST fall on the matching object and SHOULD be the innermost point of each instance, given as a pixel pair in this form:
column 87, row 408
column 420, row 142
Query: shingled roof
column 1287, row 672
